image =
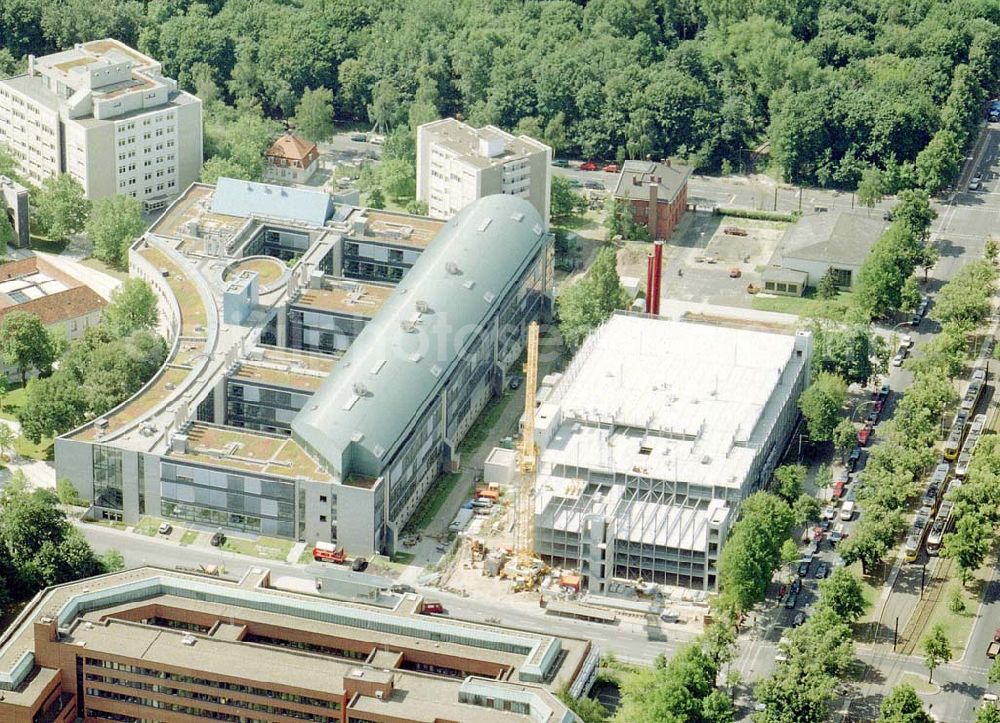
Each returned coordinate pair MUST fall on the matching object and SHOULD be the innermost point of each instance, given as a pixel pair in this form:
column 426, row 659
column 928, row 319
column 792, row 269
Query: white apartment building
column 457, row 164
column 103, row 113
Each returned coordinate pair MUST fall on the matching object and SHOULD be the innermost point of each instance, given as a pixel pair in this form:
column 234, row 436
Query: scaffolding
column 527, row 457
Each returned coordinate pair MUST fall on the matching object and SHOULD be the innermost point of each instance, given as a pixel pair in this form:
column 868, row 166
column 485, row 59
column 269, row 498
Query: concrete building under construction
column 651, row 439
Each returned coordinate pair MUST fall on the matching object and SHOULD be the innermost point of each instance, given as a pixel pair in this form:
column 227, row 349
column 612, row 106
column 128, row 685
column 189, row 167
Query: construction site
column 617, row 495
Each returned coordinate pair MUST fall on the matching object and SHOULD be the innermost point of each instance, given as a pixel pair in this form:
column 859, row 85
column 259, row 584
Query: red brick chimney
column 651, row 212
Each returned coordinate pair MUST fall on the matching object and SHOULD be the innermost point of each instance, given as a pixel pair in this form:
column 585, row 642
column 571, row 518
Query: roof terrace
column 249, row 451
column 346, row 297
column 400, row 229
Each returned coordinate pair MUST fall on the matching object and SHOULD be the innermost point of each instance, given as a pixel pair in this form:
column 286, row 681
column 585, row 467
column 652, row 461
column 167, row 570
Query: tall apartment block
column 103, row 113
column 457, row 164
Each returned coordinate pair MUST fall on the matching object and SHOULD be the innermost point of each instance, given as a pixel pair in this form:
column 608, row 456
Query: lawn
column 808, row 305
column 431, row 504
column 99, row 265
column 148, row 526
column 307, row 556
column 189, row 537
column 956, row 626
column 268, row 548
column 480, row 430
column 12, row 401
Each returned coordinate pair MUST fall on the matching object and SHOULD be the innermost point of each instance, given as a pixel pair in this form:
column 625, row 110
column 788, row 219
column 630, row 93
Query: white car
column 907, row 341
column 829, row 513
column 897, row 361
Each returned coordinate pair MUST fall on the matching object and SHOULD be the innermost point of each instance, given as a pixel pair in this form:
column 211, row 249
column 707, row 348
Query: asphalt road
column 628, row 641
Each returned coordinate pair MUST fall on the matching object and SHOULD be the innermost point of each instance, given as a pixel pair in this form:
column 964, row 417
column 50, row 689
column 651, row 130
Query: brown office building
column 172, row 647
column 656, row 194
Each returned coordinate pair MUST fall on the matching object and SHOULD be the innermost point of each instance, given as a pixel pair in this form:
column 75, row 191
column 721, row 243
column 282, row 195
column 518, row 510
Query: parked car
column 829, row 513
column 588, row 166
column 887, row 216
column 790, row 601
column 515, row 382
column 884, row 390
column 822, row 571
column 165, row 528
column 922, row 309
column 359, row 137
column 879, row 405
column 803, row 568
column 864, row 434
column 915, row 321
column 595, row 185
column 359, row 564
column 824, row 523
column 560, row 162
column 975, row 184
column 897, row 361
column 800, row 617
column 817, row 533
column 854, row 457
column 218, row 539
column 907, row 341
column 734, row 231
column 838, row 490
column 735, row 273
column 796, row 586
column 611, row 168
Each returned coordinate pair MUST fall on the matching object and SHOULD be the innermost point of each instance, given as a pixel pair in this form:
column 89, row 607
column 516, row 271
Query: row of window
column 130, row 126
column 217, row 684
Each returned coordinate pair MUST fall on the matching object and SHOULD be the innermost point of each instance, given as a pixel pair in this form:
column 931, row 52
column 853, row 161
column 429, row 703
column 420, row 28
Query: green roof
column 364, row 409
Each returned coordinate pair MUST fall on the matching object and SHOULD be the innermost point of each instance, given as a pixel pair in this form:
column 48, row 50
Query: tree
column 790, row 478
column 939, row 162
column 218, row 167
column 991, row 250
column 914, row 214
column 133, row 306
column 564, row 200
column 385, row 111
column 680, row 689
column 7, row 235
column 910, row 295
column 26, row 344
column 956, row 602
column 114, row 223
column 821, row 403
column 968, row 543
column 67, row 493
column 827, row 287
column 60, row 208
column 993, row 677
column 314, row 114
column 988, row 713
column 937, row 649
column 376, row 199
column 966, row 297
column 52, row 406
column 397, row 178
column 903, row 705
column 8, row 438
column 112, row 561
column 805, row 510
column 871, row 187
column 844, row 437
column 842, row 592
column 752, row 551
column 584, row 305
column 873, row 537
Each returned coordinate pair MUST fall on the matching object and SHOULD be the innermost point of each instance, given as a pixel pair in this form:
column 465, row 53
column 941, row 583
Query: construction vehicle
column 524, row 567
column 326, row 552
column 477, row 550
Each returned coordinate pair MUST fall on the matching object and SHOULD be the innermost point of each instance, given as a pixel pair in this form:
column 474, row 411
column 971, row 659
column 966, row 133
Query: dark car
column 821, row 571
column 803, row 568
column 872, row 417
column 854, row 458
column 218, row 539
column 915, row 321
column 824, row 524
column 790, row 601
column 515, row 382
column 359, row 137
column 595, row 185
column 884, row 390
column 359, row 564
column 887, row 216
column 796, row 586
column 560, row 162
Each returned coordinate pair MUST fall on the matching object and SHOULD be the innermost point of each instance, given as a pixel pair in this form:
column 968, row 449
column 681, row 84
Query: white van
column 847, row 511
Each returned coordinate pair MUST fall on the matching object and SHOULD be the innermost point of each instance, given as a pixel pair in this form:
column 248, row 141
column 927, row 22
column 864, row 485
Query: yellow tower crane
column 524, row 532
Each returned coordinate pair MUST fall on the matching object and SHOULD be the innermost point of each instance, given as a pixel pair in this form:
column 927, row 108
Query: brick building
column 160, row 645
column 646, row 185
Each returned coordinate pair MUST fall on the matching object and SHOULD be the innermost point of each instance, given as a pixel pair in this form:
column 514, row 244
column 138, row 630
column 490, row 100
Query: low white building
column 103, row 113
column 652, row 438
column 458, row 164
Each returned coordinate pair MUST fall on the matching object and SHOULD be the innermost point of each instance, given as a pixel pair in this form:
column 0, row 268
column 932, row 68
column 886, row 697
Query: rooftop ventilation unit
column 485, row 224
column 422, row 306
column 189, row 640
column 517, row 216
column 489, row 296
column 408, row 326
column 452, row 268
column 360, row 389
column 470, row 284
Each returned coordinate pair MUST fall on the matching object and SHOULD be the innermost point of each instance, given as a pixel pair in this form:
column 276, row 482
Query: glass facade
column 279, row 243
column 374, row 262
column 264, row 409
column 213, row 497
column 312, row 330
column 107, row 477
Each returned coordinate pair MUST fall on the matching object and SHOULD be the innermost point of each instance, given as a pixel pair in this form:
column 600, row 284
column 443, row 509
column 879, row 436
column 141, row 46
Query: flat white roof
column 668, row 400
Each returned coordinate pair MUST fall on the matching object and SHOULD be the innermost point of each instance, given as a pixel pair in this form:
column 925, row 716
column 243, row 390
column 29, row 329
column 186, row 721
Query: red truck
column 431, row 607
column 326, row 552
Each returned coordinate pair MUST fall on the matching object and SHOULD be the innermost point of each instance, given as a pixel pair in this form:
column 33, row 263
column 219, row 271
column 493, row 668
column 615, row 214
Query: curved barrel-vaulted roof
column 362, row 410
